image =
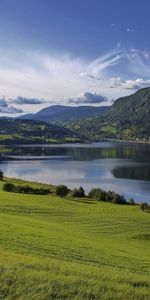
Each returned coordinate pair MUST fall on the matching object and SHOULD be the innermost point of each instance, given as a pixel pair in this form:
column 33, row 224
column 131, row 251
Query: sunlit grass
column 54, row 248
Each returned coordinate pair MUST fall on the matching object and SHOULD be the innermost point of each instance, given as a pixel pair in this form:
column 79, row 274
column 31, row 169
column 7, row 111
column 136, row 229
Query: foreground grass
column 53, row 248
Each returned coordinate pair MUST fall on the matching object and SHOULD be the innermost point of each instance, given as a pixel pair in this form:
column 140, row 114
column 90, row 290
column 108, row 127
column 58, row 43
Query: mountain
column 128, row 118
column 33, row 131
column 133, row 113
column 58, row 113
column 133, row 108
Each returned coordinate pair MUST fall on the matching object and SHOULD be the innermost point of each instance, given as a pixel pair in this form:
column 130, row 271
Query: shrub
column 118, row 199
column 131, row 201
column 98, row 194
column 17, row 189
column 24, row 189
column 41, row 191
column 74, row 193
column 79, row 193
column 8, row 187
column 92, row 193
column 144, row 206
column 62, row 190
column 1, row 175
column 110, row 196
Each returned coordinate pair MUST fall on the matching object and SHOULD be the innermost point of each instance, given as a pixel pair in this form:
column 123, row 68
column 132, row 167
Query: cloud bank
column 5, row 108
column 138, row 83
column 86, row 98
column 29, row 101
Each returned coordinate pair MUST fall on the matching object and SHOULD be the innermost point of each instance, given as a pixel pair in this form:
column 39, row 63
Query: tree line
column 97, row 194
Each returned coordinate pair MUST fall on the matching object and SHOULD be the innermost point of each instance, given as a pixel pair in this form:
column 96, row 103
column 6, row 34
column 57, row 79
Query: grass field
column 53, row 248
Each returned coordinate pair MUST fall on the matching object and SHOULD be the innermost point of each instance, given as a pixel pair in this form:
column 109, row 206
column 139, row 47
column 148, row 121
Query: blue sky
column 71, row 52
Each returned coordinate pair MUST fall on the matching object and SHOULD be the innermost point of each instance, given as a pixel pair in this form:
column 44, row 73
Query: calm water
column 124, row 168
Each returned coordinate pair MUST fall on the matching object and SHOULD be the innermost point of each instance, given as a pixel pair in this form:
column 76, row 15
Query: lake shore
column 120, row 167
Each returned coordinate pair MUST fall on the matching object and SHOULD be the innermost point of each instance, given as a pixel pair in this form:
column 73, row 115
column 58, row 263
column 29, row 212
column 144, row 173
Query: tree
column 98, row 194
column 118, row 199
column 1, row 175
column 144, row 206
column 79, row 193
column 62, row 190
column 101, row 195
column 92, row 193
column 131, row 201
column 8, row 187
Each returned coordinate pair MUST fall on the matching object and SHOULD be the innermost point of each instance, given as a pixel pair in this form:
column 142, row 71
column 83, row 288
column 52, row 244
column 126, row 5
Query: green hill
column 32, row 131
column 135, row 107
column 54, row 248
column 133, row 113
column 127, row 119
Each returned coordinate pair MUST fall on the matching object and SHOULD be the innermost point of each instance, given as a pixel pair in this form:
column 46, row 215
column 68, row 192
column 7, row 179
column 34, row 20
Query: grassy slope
column 53, row 248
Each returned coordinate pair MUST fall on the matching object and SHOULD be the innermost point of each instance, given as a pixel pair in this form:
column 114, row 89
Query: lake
column 121, row 167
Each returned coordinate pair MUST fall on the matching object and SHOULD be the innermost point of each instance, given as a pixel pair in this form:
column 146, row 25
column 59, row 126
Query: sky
column 71, row 52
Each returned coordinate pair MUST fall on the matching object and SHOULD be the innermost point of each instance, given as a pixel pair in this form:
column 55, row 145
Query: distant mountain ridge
column 127, row 119
column 66, row 113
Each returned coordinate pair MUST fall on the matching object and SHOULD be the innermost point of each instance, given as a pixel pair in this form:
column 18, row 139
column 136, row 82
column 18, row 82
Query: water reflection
column 138, row 152
column 130, row 172
column 124, row 168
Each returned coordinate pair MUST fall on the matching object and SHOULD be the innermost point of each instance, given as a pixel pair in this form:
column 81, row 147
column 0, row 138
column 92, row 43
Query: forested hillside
column 31, row 131
column 128, row 118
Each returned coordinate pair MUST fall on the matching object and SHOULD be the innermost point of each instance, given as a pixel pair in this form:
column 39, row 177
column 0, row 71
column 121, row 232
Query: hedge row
column 62, row 190
column 24, row 189
column 96, row 193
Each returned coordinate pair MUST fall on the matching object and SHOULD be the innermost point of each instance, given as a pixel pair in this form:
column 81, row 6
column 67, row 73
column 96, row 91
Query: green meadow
column 60, row 248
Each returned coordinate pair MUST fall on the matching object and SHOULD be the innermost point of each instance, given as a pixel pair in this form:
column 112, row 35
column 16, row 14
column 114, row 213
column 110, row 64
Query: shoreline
column 53, row 188
column 75, row 143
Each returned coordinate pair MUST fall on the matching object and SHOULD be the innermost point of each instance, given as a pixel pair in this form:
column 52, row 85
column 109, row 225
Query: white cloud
column 55, row 77
column 52, row 77
column 86, row 98
column 138, row 83
column 139, row 62
column 96, row 68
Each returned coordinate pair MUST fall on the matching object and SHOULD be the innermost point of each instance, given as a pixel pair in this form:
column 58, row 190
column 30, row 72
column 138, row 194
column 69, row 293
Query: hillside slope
column 54, row 248
column 133, row 112
column 32, row 131
column 128, row 118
